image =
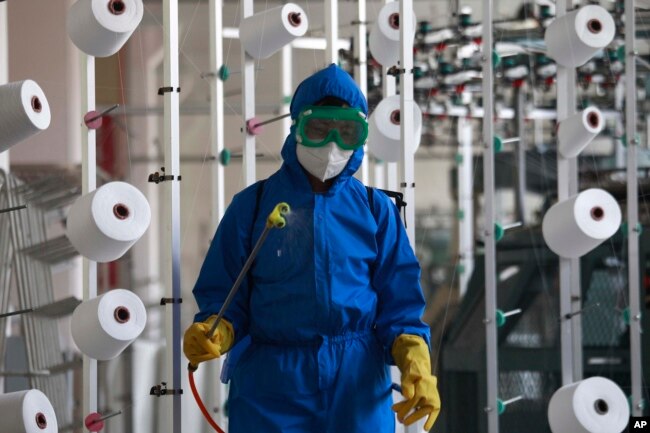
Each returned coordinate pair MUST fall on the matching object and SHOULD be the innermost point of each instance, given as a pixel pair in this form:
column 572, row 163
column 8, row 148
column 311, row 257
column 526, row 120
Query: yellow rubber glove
column 198, row 347
column 419, row 386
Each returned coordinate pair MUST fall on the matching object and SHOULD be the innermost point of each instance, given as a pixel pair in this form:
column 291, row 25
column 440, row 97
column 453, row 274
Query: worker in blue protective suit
column 332, row 299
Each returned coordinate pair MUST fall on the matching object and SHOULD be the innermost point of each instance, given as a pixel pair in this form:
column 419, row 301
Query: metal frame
column 216, row 111
column 248, row 100
column 331, row 31
column 633, row 210
column 217, row 394
column 567, row 185
column 286, row 84
column 4, row 69
column 389, row 89
column 361, row 69
column 465, row 176
column 491, row 349
column 171, row 210
column 407, row 119
column 88, row 184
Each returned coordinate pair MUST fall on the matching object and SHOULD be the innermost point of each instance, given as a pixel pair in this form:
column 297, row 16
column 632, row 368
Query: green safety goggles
column 319, row 125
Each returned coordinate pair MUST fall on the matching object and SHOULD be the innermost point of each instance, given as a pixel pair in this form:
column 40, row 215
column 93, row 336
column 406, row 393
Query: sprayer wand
column 274, row 220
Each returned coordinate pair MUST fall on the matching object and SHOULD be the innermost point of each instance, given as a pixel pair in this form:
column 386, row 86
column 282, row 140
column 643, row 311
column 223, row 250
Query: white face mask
column 323, row 162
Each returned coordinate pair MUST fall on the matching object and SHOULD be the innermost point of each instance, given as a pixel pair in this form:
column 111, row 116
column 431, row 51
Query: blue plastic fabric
column 326, row 297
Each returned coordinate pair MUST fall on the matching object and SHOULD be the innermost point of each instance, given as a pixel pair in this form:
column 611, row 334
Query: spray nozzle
column 276, row 218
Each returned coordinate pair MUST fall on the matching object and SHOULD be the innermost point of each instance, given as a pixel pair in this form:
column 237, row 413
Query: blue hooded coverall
column 325, row 299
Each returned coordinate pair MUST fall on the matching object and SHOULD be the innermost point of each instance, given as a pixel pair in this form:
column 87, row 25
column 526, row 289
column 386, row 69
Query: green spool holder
column 502, row 317
column 224, row 73
column 425, row 26
column 446, row 68
column 625, row 229
column 620, row 53
column 627, row 317
column 225, row 157
column 631, row 404
column 501, row 405
column 496, row 59
column 637, row 137
column 499, row 232
column 497, row 143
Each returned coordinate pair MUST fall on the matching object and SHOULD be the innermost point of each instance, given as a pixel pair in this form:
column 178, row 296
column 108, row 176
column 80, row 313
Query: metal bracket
column 157, row 177
column 163, row 90
column 160, row 390
column 165, row 301
column 395, row 71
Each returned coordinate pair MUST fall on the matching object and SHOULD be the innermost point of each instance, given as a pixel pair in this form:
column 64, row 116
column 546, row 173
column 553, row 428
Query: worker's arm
column 225, row 259
column 396, row 278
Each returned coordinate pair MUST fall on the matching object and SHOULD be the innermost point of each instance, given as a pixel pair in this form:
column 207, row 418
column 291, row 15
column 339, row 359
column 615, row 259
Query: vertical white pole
column 406, row 113
column 88, row 184
column 248, row 101
column 633, row 210
column 172, row 247
column 389, row 89
column 216, row 390
column 4, row 69
column 216, row 112
column 286, row 86
column 361, row 70
column 491, row 342
column 465, row 204
column 571, row 358
column 331, row 31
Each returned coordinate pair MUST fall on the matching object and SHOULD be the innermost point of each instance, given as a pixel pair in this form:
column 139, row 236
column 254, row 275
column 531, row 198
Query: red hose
column 199, row 402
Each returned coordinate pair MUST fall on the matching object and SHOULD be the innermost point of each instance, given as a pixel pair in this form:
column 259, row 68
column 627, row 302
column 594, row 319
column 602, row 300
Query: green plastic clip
column 499, row 231
column 498, row 144
column 458, row 158
column 637, row 139
column 224, row 157
column 496, row 59
column 501, row 316
column 625, row 229
column 627, row 317
column 620, row 53
column 425, row 27
column 501, row 407
column 460, row 214
column 446, row 68
column 631, row 404
column 224, row 73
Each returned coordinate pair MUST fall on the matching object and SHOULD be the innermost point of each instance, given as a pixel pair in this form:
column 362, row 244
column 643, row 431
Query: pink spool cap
column 93, row 119
column 253, row 127
column 93, row 422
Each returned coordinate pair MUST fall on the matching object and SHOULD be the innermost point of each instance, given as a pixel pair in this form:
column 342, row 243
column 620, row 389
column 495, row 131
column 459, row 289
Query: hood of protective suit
column 331, row 81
